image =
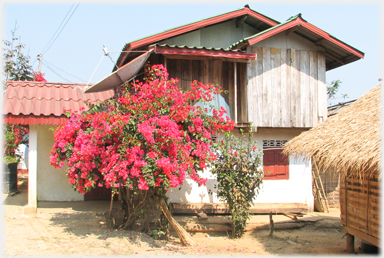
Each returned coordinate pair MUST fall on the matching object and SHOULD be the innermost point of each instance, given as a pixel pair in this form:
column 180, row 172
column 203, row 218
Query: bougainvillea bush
column 149, row 138
column 239, row 174
column 14, row 135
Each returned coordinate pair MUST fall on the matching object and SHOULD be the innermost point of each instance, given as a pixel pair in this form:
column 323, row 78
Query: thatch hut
column 349, row 143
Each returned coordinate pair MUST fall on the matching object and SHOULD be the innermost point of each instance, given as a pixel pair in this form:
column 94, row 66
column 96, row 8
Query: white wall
column 52, row 183
column 297, row 189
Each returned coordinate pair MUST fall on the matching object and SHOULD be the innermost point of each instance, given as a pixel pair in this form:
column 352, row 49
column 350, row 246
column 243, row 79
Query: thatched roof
column 348, row 141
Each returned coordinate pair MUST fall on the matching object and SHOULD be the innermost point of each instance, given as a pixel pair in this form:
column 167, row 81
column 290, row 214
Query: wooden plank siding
column 322, row 88
column 286, row 87
column 217, row 72
column 242, row 93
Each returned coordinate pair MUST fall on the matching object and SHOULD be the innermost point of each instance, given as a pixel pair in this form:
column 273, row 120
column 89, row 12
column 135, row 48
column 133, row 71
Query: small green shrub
column 11, row 159
column 239, row 176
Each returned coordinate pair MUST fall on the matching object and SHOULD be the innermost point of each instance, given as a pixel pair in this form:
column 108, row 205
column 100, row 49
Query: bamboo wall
column 287, row 87
column 359, row 205
column 331, row 183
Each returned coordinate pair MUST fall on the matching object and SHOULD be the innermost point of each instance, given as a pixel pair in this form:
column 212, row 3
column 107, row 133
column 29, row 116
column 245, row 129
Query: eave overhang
column 201, row 52
column 34, row 119
column 337, row 52
column 191, row 27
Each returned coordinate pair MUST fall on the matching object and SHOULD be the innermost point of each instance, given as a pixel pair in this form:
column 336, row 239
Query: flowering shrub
column 239, row 176
column 148, row 137
column 14, row 135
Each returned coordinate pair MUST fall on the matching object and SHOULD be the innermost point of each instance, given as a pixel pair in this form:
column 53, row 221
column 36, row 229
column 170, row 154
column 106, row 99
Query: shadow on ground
column 20, row 198
column 84, row 224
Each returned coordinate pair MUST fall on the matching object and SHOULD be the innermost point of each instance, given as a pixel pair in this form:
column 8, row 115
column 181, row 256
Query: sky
column 71, row 35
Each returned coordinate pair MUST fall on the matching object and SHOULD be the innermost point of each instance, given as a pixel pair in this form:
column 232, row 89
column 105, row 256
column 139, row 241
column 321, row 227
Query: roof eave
column 297, row 22
column 190, row 27
column 203, row 52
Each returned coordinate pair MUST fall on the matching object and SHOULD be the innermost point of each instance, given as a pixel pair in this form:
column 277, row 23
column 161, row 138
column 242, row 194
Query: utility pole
column 40, row 56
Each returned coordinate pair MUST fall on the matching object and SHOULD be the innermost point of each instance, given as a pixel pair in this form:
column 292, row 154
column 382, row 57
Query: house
column 275, row 74
column 40, row 105
column 349, row 143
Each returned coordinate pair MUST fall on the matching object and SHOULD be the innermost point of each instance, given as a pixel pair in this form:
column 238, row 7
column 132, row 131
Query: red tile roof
column 30, row 102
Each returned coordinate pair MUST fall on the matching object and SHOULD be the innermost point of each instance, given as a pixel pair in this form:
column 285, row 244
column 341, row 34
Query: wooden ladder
column 318, row 190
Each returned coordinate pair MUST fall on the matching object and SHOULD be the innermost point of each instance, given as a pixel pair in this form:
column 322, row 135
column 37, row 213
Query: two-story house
column 276, row 77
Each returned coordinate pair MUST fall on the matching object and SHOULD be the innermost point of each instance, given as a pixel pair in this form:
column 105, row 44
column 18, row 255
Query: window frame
column 276, row 177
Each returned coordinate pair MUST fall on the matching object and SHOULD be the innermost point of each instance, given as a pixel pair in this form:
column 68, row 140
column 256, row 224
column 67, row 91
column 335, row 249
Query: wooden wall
column 286, row 88
column 216, row 71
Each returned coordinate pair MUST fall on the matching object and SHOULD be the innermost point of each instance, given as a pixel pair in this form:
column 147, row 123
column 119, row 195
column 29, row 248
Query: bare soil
column 79, row 228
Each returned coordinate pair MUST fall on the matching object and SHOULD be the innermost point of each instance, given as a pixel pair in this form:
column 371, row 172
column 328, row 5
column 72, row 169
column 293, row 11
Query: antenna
column 107, row 54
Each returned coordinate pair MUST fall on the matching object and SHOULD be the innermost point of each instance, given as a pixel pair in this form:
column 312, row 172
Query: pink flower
column 152, row 155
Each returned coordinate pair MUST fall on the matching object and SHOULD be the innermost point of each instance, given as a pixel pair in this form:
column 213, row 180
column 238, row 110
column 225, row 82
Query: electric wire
column 64, row 71
column 61, row 28
column 58, row 28
column 34, row 62
column 52, row 70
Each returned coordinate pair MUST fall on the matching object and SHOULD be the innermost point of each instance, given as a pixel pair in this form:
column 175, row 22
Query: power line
column 34, row 62
column 61, row 28
column 52, row 70
column 58, row 28
column 64, row 71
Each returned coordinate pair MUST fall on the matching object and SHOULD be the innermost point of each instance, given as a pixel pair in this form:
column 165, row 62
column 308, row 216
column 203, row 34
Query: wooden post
column 350, row 243
column 271, row 224
column 321, row 187
column 235, row 90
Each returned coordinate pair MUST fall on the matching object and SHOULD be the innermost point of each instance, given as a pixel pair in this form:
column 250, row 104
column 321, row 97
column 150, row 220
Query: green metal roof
column 196, row 22
column 264, row 31
column 292, row 18
column 195, row 47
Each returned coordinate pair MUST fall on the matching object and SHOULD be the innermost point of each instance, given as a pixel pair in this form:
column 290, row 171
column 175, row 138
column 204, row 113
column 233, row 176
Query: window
column 276, row 166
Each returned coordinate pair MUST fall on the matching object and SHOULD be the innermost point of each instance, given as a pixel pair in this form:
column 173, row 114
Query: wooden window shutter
column 276, row 166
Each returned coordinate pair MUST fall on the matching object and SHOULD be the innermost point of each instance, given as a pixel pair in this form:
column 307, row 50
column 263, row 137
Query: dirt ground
column 78, row 228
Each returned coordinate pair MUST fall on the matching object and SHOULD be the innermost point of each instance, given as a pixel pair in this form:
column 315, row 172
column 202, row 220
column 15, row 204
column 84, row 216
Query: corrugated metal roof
column 167, row 49
column 254, row 19
column 35, row 102
column 263, row 32
column 338, row 53
column 198, row 48
column 199, row 21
